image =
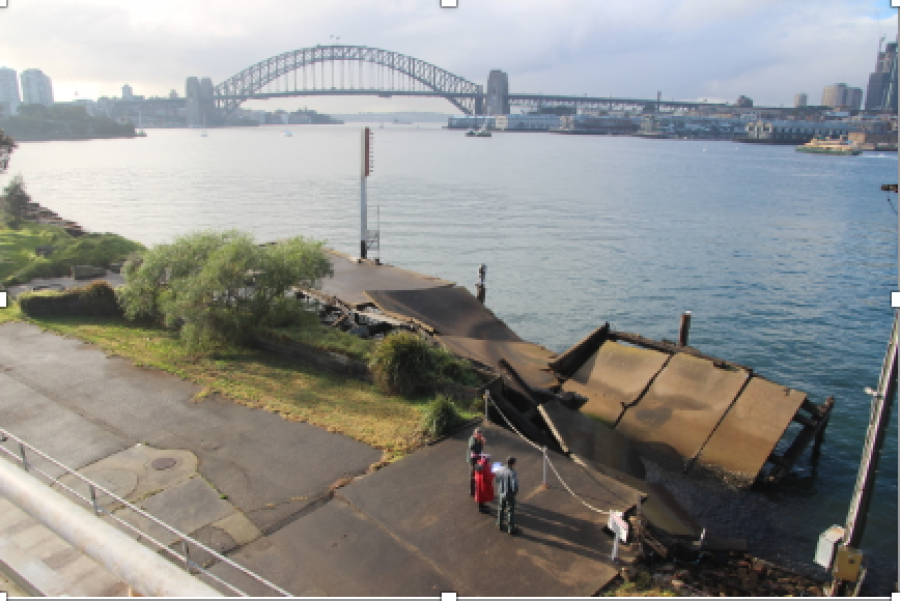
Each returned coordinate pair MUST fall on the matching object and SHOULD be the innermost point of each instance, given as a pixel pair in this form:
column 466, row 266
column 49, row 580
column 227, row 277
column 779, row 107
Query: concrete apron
column 410, row 529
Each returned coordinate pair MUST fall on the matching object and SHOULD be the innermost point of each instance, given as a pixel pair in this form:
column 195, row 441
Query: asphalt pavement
column 261, row 489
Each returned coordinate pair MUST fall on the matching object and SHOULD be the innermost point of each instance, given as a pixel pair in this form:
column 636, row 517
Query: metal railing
column 183, row 559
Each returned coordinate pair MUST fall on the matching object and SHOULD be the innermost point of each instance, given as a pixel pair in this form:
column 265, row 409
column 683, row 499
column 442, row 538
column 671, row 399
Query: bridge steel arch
column 466, row 96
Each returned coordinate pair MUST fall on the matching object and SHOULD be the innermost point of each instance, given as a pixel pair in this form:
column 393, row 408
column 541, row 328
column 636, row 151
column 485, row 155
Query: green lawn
column 17, row 247
column 19, row 264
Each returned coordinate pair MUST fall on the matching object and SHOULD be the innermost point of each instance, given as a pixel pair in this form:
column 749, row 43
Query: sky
column 716, row 50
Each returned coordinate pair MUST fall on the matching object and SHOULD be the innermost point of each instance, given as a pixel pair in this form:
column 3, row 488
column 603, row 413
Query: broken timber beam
column 784, row 463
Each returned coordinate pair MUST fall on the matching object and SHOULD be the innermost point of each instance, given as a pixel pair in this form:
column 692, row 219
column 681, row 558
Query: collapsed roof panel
column 529, row 360
column 613, row 377
column 444, row 311
column 752, row 427
column 683, row 406
column 580, row 435
column 352, row 278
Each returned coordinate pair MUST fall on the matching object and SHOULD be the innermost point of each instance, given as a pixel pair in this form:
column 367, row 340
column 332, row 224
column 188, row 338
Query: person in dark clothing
column 476, row 446
column 507, row 487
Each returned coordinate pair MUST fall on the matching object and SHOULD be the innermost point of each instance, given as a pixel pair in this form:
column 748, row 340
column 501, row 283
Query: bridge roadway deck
column 409, row 529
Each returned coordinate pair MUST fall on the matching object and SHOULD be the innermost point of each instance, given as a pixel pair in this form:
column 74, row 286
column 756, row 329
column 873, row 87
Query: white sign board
column 618, row 525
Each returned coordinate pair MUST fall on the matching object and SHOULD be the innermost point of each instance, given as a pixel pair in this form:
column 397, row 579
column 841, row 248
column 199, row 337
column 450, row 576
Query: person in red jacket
column 484, row 483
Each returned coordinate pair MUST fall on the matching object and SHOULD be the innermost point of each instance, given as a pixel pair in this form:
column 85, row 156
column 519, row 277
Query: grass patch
column 311, row 332
column 11, row 313
column 260, row 380
column 20, row 264
column 17, row 245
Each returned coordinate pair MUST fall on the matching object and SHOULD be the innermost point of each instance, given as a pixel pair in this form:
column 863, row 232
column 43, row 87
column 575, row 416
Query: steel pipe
column 145, row 571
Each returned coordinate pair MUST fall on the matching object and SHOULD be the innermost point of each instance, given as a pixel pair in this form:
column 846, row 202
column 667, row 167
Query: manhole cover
column 162, row 463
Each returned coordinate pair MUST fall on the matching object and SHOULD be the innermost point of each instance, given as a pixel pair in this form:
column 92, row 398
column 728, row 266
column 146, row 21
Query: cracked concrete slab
column 187, row 507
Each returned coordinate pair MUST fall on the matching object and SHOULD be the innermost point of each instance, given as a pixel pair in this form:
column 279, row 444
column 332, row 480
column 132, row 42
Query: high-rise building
column 36, row 87
column 800, row 100
column 9, row 92
column 881, row 92
column 840, row 96
column 127, row 92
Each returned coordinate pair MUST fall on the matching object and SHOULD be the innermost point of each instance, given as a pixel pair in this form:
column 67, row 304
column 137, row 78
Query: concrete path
column 258, row 488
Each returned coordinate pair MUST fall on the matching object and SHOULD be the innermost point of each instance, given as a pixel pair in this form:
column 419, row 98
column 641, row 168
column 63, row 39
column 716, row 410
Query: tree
column 217, row 288
column 7, row 145
column 15, row 200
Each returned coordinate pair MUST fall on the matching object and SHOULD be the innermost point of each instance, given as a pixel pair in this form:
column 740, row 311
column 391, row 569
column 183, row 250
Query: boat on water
column 823, row 145
column 288, row 134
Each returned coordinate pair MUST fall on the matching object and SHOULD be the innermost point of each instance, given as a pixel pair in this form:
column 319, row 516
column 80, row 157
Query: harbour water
column 786, row 260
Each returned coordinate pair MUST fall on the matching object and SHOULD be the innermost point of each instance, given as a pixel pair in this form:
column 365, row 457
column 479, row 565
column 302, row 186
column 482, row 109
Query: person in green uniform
column 476, row 446
column 507, row 487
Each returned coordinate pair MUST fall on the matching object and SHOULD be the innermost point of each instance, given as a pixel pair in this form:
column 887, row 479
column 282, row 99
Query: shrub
column 440, row 416
column 217, row 288
column 97, row 298
column 408, row 364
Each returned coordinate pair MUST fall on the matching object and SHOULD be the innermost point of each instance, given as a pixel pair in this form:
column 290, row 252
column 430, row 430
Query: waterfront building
column 800, row 100
column 841, row 96
column 795, row 132
column 527, row 122
column 599, row 124
column 127, row 92
column 9, row 92
column 470, row 122
column 36, row 87
column 881, row 93
column 687, row 126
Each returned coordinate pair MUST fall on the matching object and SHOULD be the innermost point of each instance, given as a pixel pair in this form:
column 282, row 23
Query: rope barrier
column 487, row 395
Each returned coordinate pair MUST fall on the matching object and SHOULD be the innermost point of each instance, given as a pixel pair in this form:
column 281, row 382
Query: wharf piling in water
column 685, row 329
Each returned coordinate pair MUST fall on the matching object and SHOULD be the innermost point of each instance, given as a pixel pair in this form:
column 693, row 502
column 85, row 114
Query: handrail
column 183, row 559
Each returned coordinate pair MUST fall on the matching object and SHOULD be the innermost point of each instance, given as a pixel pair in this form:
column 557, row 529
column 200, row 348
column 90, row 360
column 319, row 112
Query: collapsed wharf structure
column 606, row 401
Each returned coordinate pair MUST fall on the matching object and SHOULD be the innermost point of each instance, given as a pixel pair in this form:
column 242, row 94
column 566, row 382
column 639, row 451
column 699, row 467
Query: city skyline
column 688, row 49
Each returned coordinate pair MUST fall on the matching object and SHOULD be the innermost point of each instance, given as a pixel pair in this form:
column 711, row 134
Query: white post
column 364, row 172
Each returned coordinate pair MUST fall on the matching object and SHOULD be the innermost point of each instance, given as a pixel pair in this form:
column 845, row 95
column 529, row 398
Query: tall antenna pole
column 365, row 169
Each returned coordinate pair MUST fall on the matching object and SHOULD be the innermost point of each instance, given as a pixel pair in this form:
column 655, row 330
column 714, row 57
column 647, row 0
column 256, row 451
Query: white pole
column 364, row 169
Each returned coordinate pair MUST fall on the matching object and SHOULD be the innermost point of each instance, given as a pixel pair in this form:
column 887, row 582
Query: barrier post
column 544, row 452
column 24, row 459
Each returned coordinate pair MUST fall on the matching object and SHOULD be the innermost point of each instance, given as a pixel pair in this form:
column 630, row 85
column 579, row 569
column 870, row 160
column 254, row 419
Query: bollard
column 685, row 329
column 544, row 449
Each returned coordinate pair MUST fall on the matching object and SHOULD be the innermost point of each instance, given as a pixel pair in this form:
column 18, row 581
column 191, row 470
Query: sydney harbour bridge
column 339, row 70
